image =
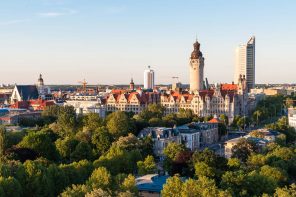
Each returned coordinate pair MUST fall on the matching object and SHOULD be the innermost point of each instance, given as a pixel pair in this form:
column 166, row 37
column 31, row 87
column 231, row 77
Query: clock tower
column 196, row 69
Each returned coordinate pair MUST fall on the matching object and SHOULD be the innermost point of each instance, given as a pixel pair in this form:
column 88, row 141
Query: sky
column 110, row 41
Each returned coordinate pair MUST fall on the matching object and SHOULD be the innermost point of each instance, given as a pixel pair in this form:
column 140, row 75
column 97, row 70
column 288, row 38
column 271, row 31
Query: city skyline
column 51, row 37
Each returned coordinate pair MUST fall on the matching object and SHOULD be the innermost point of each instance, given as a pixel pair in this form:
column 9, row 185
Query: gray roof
column 28, row 92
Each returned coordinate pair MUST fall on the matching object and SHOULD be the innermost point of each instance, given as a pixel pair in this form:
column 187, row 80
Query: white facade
column 84, row 104
column 245, row 63
column 292, row 117
column 149, row 78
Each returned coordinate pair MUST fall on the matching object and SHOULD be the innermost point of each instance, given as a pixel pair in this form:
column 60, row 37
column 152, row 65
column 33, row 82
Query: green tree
column 286, row 191
column 92, row 121
column 118, row 124
column 202, row 169
column 173, row 149
column 82, row 151
column 11, row 187
column 98, row 193
column 75, row 191
column 2, row 142
column 155, row 122
column 102, row 140
column 100, row 178
column 67, row 120
column 129, row 184
column 147, row 166
column 66, row 146
column 41, row 143
column 58, row 177
column 243, row 149
column 172, row 187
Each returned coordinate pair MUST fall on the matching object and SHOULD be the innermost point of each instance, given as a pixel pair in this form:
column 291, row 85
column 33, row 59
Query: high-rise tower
column 245, row 63
column 196, row 68
column 148, row 78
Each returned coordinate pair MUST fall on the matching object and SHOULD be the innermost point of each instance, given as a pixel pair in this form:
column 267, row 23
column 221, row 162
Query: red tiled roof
column 214, row 120
column 230, row 86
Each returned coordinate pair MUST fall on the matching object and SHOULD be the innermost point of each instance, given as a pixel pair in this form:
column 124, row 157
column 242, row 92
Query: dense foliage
column 66, row 155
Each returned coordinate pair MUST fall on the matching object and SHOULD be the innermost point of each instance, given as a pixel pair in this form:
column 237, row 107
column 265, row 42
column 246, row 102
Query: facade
column 24, row 93
column 196, row 68
column 161, row 137
column 292, row 117
column 84, row 103
column 228, row 99
column 149, row 78
column 130, row 101
column 245, row 63
column 196, row 135
column 33, row 105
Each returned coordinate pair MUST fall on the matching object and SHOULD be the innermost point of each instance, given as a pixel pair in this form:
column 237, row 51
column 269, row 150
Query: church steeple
column 40, row 81
column 132, row 84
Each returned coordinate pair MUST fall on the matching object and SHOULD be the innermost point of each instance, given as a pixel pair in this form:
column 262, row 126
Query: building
column 32, row 105
column 196, row 68
column 261, row 142
column 196, row 135
column 245, row 63
column 24, row 93
column 149, row 78
column 85, row 103
column 130, row 101
column 161, row 137
column 292, row 117
column 228, row 99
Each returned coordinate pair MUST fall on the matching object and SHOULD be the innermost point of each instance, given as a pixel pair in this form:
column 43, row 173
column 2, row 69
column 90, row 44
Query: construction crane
column 84, row 83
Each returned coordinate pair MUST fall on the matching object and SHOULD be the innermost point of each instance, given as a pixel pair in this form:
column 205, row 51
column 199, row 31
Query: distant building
column 130, row 101
column 24, row 93
column 245, row 63
column 292, row 117
column 84, row 103
column 149, row 78
column 161, row 137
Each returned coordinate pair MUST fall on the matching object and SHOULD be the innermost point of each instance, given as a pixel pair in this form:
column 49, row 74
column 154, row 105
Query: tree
column 173, row 149
column 152, row 111
column 102, row 140
column 75, row 191
column 129, row 184
column 257, row 134
column 118, row 124
column 66, row 146
column 243, row 149
column 273, row 173
column 41, row 143
column 286, row 191
column 92, row 121
column 82, row 151
column 67, row 120
column 172, row 187
column 2, row 142
column 155, row 122
column 224, row 119
column 147, row 166
column 58, row 177
column 10, row 186
column 100, row 178
column 98, row 193
column 202, row 169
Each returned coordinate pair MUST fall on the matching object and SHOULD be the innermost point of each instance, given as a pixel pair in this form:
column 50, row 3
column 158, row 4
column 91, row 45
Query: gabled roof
column 28, row 92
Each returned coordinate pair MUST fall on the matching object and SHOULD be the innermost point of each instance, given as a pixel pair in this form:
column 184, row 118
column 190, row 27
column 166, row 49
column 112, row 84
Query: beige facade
column 196, row 68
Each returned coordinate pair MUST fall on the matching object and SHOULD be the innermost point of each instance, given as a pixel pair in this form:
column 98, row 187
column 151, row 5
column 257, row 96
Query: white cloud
column 12, row 22
column 57, row 14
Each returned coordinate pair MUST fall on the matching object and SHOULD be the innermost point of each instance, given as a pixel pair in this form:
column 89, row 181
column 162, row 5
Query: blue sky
column 110, row 41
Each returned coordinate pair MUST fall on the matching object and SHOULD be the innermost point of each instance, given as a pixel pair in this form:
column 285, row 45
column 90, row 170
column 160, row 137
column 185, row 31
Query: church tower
column 196, row 69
